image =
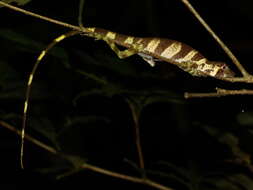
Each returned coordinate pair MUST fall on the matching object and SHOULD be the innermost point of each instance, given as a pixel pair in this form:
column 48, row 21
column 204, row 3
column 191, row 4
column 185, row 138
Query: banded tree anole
column 150, row 49
column 161, row 49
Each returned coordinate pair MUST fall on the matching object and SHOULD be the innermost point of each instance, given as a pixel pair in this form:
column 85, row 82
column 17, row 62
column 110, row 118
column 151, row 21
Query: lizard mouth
column 225, row 73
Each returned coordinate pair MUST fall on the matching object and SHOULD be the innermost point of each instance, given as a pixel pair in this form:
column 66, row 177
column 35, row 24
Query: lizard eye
column 223, row 66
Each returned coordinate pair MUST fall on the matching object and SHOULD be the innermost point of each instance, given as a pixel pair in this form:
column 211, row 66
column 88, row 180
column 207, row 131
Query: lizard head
column 223, row 71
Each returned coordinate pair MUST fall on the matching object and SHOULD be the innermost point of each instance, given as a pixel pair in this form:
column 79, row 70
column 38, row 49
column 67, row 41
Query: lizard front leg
column 121, row 54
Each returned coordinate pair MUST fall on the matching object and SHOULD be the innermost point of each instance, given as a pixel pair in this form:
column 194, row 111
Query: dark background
column 173, row 129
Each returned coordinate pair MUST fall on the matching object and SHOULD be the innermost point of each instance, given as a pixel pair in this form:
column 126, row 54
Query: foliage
column 19, row 2
column 81, row 105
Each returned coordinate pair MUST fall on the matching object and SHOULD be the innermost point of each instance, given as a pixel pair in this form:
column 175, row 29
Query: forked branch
column 215, row 36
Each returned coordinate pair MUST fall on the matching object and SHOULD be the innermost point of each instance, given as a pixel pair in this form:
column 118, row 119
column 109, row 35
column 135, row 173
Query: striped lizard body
column 160, row 49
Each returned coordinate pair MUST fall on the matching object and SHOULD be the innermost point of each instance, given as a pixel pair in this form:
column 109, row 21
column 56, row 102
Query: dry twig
column 219, row 92
column 135, row 115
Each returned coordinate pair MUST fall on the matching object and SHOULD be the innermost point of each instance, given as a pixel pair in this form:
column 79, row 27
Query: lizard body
column 161, row 49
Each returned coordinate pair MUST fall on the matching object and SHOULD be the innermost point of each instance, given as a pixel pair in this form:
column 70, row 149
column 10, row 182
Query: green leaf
column 222, row 184
column 19, row 2
column 28, row 45
column 170, row 176
column 245, row 119
column 52, row 170
column 45, row 127
column 242, row 180
column 182, row 172
column 7, row 73
column 164, row 96
column 92, row 76
column 68, row 173
column 107, row 90
column 9, row 116
column 85, row 120
column 88, row 119
column 11, row 86
column 231, row 141
column 12, row 90
column 76, row 161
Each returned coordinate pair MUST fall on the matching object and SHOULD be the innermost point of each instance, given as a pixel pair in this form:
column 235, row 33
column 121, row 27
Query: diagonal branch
column 41, row 17
column 28, row 137
column 90, row 167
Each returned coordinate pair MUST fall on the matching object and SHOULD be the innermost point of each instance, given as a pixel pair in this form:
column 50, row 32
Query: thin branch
column 80, row 13
column 144, row 181
column 248, row 79
column 73, row 27
column 111, row 173
column 29, row 138
column 135, row 116
column 219, row 92
column 90, row 167
column 220, row 42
